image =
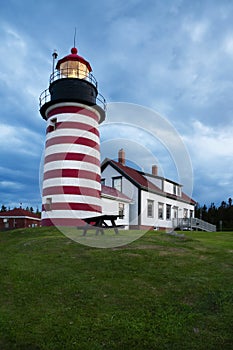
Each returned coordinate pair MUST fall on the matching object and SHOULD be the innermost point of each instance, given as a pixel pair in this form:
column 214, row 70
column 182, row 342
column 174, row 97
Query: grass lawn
column 159, row 292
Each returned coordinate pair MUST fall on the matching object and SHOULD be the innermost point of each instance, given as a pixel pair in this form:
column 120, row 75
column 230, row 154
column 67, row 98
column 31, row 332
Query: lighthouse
column 73, row 110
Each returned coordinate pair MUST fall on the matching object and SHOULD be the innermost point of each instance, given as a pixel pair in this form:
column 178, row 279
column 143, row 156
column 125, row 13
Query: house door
column 175, row 217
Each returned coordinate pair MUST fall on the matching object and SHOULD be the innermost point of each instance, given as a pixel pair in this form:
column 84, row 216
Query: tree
column 215, row 215
column 3, row 208
column 223, row 204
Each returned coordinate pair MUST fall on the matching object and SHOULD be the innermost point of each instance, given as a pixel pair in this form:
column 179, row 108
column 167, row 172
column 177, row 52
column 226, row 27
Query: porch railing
column 192, row 224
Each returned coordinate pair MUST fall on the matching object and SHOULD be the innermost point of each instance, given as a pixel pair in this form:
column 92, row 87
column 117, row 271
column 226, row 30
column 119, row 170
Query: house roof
column 19, row 212
column 186, row 198
column 139, row 179
column 133, row 175
column 108, row 191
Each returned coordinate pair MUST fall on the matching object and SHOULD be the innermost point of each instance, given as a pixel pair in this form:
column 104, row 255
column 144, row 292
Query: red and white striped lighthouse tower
column 71, row 177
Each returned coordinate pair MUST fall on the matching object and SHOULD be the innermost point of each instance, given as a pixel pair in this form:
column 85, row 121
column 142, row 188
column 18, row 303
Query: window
column 121, row 210
column 6, row 223
column 150, row 208
column 102, row 181
column 53, row 124
column 160, row 211
column 174, row 189
column 178, row 191
column 168, row 211
column 48, row 204
column 117, row 183
column 185, row 213
column 191, row 213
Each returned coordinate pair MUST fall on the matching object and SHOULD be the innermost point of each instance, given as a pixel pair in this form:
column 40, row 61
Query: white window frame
column 121, row 207
column 160, row 206
column 48, row 204
column 115, row 184
column 168, row 211
column 150, row 208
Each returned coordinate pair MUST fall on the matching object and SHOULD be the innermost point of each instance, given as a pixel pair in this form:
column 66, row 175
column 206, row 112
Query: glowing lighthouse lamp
column 71, row 174
column 71, row 67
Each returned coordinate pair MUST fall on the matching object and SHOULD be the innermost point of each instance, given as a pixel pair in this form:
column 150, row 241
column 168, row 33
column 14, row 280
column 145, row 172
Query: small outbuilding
column 18, row 218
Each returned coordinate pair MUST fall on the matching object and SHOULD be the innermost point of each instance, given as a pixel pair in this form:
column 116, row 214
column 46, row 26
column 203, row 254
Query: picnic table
column 99, row 222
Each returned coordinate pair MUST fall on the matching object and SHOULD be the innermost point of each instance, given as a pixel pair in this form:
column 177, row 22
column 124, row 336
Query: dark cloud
column 174, row 57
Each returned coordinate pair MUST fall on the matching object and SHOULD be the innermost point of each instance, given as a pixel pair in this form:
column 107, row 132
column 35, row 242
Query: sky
column 173, row 58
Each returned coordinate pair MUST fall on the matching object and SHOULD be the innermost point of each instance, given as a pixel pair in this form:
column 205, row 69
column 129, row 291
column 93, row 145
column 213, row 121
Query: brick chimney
column 121, row 156
column 154, row 170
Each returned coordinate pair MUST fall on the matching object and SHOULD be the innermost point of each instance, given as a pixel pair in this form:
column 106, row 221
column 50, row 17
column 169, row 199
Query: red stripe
column 85, row 191
column 76, row 173
column 49, row 129
column 73, row 125
column 72, row 156
column 73, row 140
column 62, row 222
column 73, row 109
column 73, row 206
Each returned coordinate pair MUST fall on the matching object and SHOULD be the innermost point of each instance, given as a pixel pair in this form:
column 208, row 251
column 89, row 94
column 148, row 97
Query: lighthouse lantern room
column 71, row 173
column 74, row 66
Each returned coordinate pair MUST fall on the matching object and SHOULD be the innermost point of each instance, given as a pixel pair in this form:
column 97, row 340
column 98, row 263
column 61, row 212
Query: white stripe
column 71, row 181
column 74, row 117
column 73, row 132
column 70, row 164
column 72, row 198
column 68, row 214
column 68, row 104
column 67, row 147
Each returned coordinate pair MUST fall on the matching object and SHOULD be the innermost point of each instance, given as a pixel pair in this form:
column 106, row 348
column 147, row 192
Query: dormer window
column 117, row 183
column 178, row 191
column 174, row 189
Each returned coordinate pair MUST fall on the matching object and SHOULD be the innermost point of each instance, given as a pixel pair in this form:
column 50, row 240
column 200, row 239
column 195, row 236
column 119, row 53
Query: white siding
column 155, row 221
column 111, row 207
column 128, row 189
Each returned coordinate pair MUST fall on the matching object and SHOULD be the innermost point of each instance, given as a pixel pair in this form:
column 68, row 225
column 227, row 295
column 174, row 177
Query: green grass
column 159, row 292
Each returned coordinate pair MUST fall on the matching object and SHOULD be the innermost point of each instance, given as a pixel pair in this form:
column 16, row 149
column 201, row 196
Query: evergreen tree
column 221, row 216
column 3, row 208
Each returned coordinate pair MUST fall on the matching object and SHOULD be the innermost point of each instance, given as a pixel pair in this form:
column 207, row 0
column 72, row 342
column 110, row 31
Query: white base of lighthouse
column 71, row 178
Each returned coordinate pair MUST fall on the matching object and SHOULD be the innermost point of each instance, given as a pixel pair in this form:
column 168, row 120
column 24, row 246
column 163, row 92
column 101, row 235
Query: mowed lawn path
column 159, row 292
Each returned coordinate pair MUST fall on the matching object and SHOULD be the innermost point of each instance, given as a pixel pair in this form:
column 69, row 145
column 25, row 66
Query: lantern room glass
column 74, row 69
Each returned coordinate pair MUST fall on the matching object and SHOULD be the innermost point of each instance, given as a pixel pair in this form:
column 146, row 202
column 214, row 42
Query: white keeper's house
column 146, row 200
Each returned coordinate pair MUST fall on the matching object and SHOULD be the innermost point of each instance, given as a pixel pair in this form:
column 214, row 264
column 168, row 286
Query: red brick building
column 18, row 218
